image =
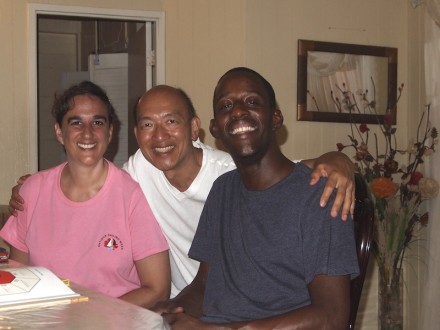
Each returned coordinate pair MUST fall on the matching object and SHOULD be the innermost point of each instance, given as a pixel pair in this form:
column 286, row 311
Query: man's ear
column 195, row 128
column 110, row 133
column 135, row 131
column 213, row 128
column 58, row 133
column 277, row 119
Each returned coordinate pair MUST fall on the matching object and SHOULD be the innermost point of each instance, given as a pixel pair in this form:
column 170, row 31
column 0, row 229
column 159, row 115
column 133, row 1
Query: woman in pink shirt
column 86, row 219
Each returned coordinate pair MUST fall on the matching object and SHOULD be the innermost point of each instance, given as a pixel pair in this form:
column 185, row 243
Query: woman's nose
column 87, row 130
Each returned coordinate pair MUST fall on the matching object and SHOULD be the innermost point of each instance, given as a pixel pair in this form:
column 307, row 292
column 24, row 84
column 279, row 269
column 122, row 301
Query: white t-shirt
column 178, row 212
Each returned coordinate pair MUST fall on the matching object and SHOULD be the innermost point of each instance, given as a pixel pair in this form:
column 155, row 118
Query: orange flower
column 383, row 187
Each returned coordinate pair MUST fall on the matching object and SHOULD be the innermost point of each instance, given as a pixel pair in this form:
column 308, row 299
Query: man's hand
column 182, row 321
column 166, row 307
column 340, row 172
column 16, row 202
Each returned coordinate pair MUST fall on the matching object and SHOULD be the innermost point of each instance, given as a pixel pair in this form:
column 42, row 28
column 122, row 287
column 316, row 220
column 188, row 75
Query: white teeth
column 164, row 149
column 86, row 146
column 239, row 130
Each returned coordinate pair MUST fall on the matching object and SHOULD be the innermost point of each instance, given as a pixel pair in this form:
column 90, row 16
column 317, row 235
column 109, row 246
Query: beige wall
column 204, row 38
column 271, row 40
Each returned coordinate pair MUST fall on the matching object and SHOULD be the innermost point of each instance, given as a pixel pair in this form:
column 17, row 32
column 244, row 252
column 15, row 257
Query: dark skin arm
column 335, row 165
column 329, row 308
column 190, row 299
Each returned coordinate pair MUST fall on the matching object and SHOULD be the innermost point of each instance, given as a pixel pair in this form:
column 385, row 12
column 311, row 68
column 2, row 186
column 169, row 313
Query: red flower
column 340, row 146
column 424, row 219
column 363, row 128
column 415, row 178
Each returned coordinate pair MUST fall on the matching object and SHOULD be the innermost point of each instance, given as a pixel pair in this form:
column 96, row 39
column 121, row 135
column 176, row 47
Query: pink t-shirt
column 92, row 243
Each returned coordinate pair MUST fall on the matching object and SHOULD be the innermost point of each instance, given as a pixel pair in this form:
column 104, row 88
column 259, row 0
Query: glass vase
column 390, row 305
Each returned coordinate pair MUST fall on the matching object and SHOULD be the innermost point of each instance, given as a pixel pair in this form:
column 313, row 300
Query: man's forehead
column 161, row 113
column 163, row 103
column 245, row 81
column 244, row 76
column 164, row 110
column 163, row 97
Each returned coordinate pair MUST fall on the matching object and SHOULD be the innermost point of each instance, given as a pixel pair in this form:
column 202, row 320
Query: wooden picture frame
column 383, row 59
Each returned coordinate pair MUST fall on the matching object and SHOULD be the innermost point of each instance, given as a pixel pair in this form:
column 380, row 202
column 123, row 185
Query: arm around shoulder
column 340, row 172
column 16, row 201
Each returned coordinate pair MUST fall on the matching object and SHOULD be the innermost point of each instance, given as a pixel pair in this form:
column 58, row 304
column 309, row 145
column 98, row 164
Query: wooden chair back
column 363, row 226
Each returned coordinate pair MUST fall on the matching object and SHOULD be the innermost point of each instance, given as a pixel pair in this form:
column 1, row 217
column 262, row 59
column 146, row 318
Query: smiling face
column 165, row 129
column 245, row 118
column 85, row 130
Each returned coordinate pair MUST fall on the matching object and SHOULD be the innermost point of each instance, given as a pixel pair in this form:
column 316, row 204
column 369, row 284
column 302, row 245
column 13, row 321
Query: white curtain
column 327, row 72
column 431, row 294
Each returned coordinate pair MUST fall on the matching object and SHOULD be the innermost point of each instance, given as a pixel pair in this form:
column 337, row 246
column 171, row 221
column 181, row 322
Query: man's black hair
column 269, row 89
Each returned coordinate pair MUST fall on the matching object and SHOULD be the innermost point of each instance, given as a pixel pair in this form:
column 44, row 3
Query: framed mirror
column 346, row 83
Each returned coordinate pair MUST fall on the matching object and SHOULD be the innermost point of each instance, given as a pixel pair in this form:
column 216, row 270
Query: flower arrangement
column 398, row 190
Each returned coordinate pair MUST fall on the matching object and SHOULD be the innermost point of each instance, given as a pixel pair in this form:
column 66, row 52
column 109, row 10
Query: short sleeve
column 146, row 234
column 328, row 243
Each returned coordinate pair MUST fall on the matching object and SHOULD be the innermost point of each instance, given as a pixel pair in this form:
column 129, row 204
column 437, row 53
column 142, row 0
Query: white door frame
column 128, row 15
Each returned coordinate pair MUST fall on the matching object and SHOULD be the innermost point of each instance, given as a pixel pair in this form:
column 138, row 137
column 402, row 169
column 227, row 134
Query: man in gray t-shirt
column 270, row 256
column 262, row 246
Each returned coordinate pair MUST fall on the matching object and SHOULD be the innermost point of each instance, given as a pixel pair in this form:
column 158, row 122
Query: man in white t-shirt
column 176, row 171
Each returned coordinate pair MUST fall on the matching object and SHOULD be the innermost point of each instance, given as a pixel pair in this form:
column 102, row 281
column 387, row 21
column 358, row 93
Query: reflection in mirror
column 327, row 72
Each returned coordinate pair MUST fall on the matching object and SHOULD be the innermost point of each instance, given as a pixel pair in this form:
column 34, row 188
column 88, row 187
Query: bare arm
column 154, row 274
column 340, row 172
column 329, row 309
column 18, row 255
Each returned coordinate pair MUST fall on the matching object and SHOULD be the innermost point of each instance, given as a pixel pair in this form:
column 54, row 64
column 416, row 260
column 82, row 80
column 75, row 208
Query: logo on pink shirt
column 110, row 242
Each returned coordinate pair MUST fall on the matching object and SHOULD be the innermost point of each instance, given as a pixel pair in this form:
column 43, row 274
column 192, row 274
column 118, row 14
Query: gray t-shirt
column 264, row 247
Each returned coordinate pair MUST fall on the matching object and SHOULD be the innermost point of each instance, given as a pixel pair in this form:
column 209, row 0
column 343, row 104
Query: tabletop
column 97, row 312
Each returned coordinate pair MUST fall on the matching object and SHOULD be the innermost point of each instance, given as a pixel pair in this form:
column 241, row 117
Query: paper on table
column 24, row 285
